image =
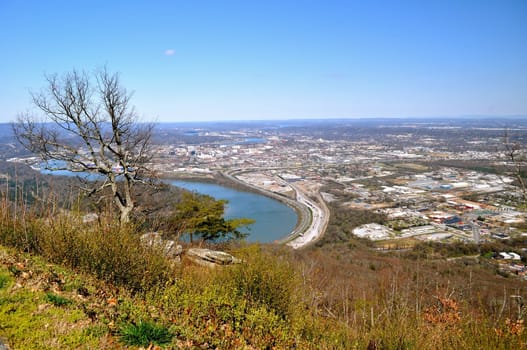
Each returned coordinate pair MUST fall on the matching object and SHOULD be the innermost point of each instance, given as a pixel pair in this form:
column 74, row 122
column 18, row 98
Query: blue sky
column 231, row 60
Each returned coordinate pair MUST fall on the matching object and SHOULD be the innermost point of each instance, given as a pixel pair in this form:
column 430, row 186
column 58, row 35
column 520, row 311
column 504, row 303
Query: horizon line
column 460, row 117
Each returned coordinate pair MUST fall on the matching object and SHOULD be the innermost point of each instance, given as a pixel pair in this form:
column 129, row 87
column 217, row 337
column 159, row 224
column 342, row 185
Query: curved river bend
column 274, row 220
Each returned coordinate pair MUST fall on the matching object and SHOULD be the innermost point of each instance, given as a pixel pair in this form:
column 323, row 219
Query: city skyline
column 238, row 60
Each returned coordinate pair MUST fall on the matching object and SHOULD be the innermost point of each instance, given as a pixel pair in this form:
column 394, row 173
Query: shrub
column 265, row 281
column 256, row 304
column 119, row 257
column 108, row 250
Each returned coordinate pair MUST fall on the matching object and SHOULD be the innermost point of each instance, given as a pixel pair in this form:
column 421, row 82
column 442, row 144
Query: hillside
column 276, row 299
column 69, row 284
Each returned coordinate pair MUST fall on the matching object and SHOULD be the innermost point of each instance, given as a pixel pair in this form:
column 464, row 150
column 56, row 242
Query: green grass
column 26, row 324
column 145, row 334
column 28, row 321
column 4, row 281
column 57, row 300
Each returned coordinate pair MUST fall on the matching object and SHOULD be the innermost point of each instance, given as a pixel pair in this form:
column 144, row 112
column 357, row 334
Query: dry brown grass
column 429, row 304
column 340, row 296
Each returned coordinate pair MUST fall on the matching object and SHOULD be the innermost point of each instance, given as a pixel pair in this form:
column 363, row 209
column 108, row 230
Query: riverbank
column 302, row 212
column 313, row 217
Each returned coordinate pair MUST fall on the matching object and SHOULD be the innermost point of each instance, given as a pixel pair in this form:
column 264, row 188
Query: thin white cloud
column 170, row 52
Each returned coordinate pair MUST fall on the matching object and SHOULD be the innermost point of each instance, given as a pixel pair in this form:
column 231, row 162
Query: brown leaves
column 446, row 312
column 511, row 328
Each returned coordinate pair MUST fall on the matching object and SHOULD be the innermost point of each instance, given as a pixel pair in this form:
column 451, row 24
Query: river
column 273, row 219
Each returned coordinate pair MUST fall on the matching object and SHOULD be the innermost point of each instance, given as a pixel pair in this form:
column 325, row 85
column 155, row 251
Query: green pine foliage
column 202, row 216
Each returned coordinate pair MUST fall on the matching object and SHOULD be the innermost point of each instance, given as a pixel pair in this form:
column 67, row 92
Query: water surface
column 274, row 220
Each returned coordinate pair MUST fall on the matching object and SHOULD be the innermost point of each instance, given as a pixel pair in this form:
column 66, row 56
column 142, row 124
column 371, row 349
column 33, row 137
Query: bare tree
column 514, row 153
column 89, row 125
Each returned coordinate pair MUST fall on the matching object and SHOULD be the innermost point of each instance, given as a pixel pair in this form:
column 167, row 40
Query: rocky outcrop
column 201, row 256
column 211, row 258
column 169, row 247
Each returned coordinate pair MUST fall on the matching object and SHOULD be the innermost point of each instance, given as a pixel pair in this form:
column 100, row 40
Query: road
column 318, row 223
column 313, row 215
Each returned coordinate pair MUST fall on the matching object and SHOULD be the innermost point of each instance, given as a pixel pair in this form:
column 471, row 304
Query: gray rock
column 210, row 257
column 3, row 346
column 89, row 218
column 170, row 248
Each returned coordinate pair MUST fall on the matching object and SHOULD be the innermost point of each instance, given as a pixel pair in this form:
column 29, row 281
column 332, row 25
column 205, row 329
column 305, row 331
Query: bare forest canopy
column 21, row 182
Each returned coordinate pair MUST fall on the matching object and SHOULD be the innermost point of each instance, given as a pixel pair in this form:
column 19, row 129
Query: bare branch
column 90, row 126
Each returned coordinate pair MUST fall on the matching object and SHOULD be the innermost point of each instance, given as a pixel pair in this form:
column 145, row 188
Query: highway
column 319, row 215
column 313, row 216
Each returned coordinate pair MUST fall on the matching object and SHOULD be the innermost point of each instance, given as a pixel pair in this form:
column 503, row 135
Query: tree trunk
column 123, row 202
column 125, row 214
